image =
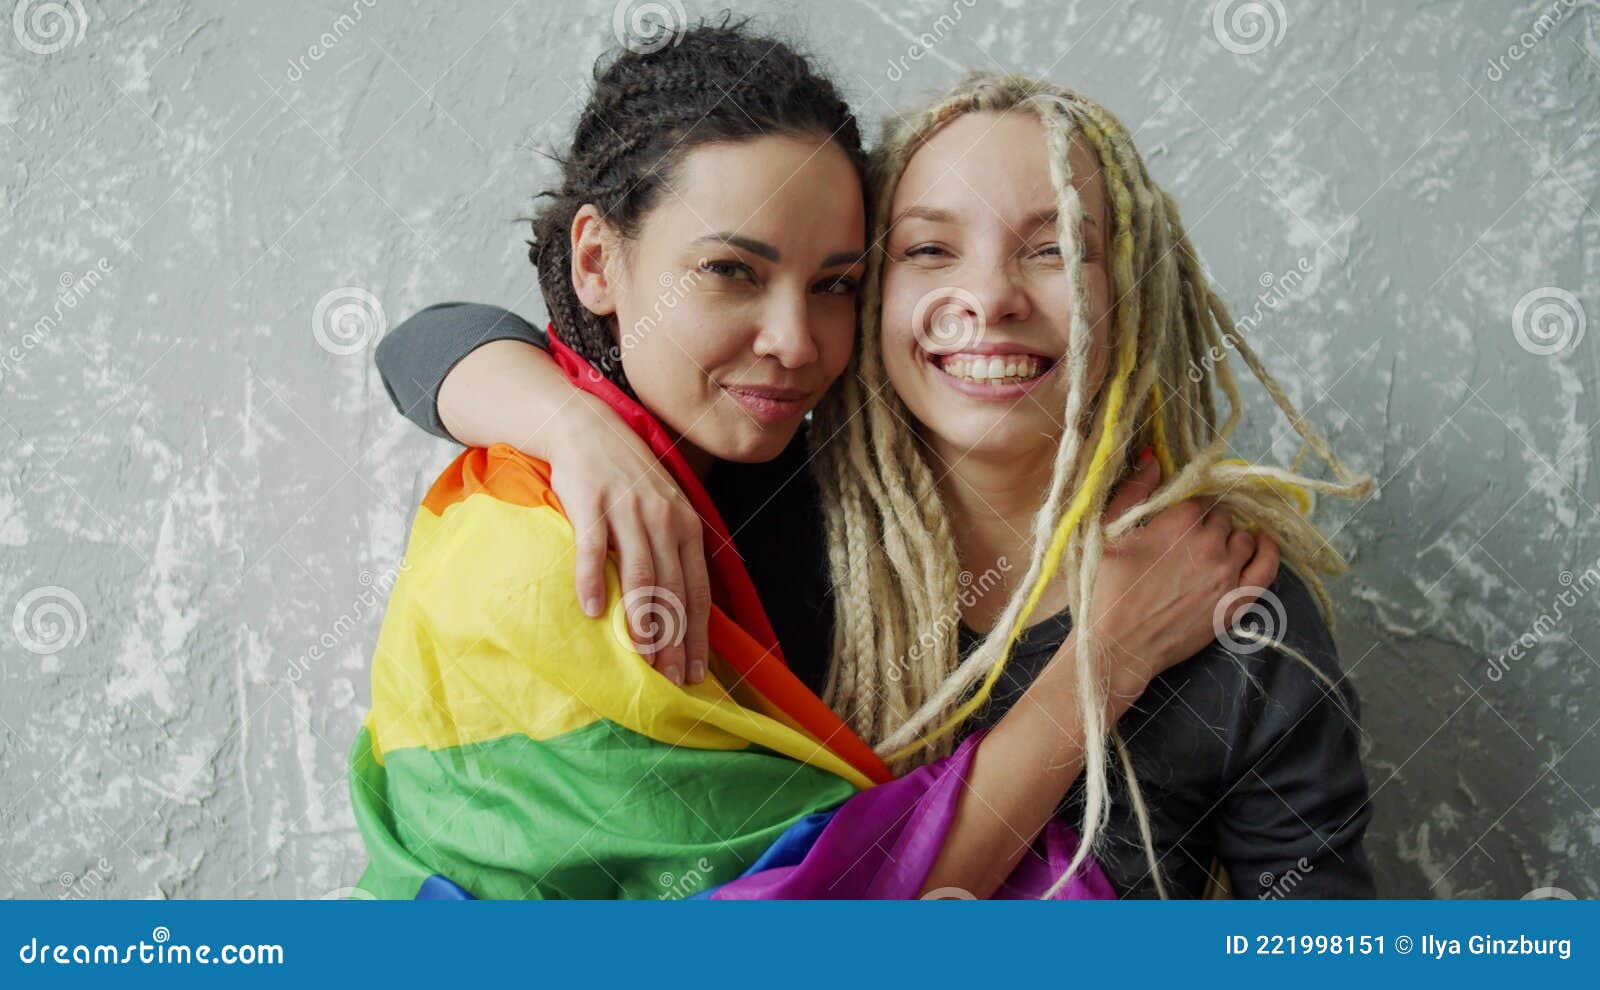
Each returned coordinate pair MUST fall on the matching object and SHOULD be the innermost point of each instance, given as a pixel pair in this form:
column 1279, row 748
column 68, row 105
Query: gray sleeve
column 414, row 358
column 1297, row 804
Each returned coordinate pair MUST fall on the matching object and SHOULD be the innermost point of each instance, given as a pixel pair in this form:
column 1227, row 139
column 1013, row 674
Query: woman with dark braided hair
column 1089, row 317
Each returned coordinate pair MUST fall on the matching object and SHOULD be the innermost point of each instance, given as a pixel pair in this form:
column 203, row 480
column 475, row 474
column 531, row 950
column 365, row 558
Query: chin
column 747, row 446
column 1012, row 437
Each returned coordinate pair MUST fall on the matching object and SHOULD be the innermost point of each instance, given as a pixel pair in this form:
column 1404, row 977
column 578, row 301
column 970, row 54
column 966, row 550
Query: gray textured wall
column 203, row 490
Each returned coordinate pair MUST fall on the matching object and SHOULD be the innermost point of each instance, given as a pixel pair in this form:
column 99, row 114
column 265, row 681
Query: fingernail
column 592, row 606
column 674, row 675
column 1147, row 455
column 697, row 671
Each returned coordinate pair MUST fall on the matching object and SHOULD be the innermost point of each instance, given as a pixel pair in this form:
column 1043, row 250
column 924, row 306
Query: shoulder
column 1299, row 665
column 489, row 319
column 1292, row 689
column 500, row 472
column 1253, row 693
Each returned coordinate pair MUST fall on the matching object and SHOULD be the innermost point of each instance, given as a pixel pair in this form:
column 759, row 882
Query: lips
column 993, row 370
column 771, row 404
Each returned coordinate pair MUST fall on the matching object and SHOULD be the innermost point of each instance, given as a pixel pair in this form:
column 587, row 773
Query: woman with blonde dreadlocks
column 1035, row 315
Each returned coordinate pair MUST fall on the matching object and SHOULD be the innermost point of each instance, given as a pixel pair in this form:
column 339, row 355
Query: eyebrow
column 932, row 214
column 847, row 258
column 1050, row 215
column 762, row 249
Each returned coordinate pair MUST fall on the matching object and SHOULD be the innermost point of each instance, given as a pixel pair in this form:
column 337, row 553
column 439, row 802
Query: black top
column 1242, row 756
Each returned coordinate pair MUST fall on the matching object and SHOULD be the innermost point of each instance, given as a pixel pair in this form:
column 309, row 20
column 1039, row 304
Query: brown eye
column 734, row 270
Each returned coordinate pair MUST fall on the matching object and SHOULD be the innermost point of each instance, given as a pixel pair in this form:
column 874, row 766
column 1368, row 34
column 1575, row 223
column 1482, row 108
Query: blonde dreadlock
column 897, row 676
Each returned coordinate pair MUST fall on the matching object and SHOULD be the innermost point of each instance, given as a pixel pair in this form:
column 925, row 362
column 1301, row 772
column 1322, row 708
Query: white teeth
column 979, row 368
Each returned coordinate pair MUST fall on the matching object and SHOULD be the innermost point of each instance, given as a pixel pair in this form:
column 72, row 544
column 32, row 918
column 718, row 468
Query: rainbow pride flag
column 517, row 748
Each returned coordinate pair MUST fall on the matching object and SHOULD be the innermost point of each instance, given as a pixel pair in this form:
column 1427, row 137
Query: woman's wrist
column 573, row 430
column 1123, row 676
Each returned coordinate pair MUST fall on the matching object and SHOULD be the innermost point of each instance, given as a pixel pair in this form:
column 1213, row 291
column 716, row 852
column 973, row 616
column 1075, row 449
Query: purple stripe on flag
column 882, row 842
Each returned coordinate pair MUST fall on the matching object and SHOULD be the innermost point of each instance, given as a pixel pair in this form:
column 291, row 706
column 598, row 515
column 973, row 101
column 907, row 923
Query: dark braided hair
column 716, row 83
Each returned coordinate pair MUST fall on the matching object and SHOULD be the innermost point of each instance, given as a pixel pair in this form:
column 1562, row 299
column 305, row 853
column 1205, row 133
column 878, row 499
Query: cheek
column 1102, row 320
column 1098, row 285
column 896, row 333
column 836, row 339
column 1104, row 315
column 665, row 354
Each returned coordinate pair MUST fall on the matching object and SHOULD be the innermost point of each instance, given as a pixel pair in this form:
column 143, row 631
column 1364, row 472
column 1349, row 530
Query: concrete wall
column 212, row 211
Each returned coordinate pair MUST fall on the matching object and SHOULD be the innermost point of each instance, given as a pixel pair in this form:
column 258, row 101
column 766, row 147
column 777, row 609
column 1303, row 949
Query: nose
column 786, row 333
column 992, row 287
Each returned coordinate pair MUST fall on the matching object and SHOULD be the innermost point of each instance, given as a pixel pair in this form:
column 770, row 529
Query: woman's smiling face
column 736, row 302
column 977, row 307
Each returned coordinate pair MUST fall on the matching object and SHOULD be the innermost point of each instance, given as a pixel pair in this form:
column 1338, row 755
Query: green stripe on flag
column 600, row 812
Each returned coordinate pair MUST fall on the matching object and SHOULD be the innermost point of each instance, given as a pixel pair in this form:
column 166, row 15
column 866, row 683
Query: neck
column 992, row 501
column 699, row 461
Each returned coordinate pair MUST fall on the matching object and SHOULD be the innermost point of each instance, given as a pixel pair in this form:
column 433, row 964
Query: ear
column 594, row 261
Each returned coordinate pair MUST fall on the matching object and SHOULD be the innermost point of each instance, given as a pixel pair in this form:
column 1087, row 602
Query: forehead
column 799, row 187
column 983, row 164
